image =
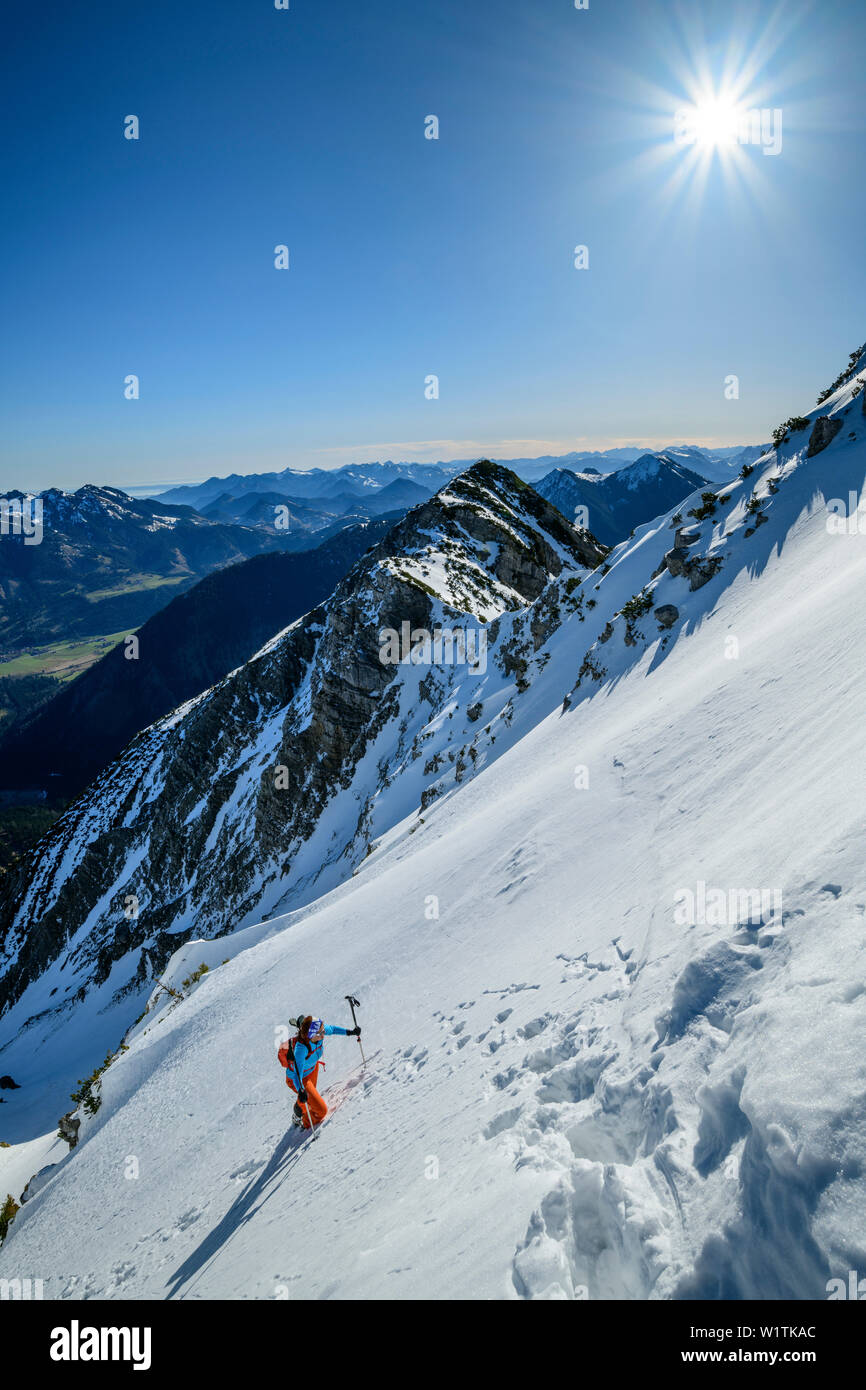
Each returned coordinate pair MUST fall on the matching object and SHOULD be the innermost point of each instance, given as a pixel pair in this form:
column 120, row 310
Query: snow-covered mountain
column 106, row 561
column 613, row 975
column 274, row 785
column 616, row 503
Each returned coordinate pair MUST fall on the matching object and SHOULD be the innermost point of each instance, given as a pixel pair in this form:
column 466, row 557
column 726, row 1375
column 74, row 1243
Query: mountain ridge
column 486, row 545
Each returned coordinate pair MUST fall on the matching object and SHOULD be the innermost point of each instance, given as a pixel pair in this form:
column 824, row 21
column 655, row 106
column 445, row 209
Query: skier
column 303, row 1058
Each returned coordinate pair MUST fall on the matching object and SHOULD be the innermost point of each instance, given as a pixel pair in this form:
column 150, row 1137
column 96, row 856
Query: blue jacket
column 308, row 1057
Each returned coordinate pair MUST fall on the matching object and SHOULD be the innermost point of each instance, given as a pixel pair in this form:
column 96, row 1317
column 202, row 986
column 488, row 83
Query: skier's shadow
column 242, row 1209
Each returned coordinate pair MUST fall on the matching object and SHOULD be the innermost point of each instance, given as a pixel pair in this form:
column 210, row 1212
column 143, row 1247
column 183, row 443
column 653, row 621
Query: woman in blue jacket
column 301, row 1073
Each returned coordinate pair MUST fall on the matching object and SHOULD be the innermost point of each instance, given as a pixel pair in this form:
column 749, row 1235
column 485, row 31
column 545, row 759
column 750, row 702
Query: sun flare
column 716, row 122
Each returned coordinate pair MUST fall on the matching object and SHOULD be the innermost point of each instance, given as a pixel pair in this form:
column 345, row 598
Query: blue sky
column 409, row 256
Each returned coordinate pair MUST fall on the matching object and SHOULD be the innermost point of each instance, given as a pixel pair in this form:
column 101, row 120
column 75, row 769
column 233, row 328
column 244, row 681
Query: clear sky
column 411, row 256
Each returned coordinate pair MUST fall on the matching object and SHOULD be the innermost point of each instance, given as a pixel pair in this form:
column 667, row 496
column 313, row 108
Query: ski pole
column 352, row 1003
column 295, row 1023
column 306, row 1103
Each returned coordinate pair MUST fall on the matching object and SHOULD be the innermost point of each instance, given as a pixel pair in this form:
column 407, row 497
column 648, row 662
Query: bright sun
column 715, row 122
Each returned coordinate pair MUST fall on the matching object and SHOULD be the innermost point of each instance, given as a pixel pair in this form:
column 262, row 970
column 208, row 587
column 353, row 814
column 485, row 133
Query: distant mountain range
column 325, row 488
column 616, row 503
column 305, row 515
column 314, row 485
column 190, row 645
column 107, row 561
column 216, row 625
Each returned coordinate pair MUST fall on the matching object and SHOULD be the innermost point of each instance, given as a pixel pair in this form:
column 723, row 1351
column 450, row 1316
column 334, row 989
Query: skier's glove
column 353, row 1032
column 302, row 1097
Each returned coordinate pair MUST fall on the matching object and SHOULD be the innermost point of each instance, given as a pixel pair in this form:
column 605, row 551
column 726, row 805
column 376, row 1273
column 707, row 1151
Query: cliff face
column 271, row 787
column 190, row 645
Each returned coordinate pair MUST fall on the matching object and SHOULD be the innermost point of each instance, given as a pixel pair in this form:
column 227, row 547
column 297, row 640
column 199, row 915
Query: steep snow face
column 275, row 785
column 599, row 1062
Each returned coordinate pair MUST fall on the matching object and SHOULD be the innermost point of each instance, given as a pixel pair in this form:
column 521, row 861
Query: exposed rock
column 546, row 616
column 666, row 615
column 7, row 1084
column 823, row 430
column 697, row 569
column 68, row 1126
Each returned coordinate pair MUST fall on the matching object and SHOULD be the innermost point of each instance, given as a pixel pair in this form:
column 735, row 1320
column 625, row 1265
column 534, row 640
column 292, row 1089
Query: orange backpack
column 286, row 1054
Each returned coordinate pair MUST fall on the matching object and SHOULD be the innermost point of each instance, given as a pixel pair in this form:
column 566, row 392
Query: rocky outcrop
column 823, row 431
column 68, row 1126
column 666, row 615
column 697, row 569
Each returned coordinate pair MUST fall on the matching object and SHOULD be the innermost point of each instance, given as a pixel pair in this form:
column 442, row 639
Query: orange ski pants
column 316, row 1106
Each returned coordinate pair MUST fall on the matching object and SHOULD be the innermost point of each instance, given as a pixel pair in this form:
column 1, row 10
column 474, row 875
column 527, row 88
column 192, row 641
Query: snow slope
column 577, row 1088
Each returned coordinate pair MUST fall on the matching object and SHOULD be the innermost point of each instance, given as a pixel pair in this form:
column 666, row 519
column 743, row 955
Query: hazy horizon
column 154, row 487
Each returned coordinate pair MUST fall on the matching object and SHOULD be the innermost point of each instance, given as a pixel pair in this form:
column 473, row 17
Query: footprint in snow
column 507, row 1120
column 241, row 1174
column 188, row 1219
column 534, row 1027
column 511, row 989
